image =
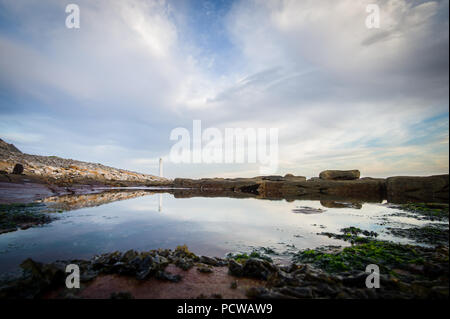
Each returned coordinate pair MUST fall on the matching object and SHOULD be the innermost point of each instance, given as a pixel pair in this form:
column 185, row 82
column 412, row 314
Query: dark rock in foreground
column 406, row 272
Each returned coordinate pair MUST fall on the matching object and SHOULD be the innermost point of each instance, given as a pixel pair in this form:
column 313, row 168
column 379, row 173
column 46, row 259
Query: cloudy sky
column 342, row 95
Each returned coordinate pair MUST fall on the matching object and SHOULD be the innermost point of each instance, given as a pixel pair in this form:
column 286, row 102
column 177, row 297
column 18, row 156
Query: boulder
column 417, row 188
column 18, row 169
column 336, row 175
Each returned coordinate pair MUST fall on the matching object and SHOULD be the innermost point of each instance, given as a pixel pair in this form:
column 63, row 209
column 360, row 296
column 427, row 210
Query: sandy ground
column 193, row 284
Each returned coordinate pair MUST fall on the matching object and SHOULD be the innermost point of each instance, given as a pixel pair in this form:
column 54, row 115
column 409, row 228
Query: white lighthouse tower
column 160, row 175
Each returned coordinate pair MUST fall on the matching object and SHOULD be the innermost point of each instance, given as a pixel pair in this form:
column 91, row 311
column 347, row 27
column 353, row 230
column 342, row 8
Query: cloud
column 342, row 95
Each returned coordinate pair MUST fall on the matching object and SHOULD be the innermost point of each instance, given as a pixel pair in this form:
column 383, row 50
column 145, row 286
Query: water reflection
column 210, row 225
column 71, row 202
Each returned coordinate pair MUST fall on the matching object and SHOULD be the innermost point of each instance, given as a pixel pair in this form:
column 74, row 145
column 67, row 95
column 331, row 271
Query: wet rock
column 160, row 261
column 298, row 292
column 434, row 270
column 212, row 261
column 88, row 275
column 183, row 252
column 129, row 255
column 164, row 275
column 336, row 175
column 184, row 263
column 234, row 268
column 258, row 268
column 281, row 278
column 358, row 280
column 208, row 260
column 204, row 269
column 145, row 267
column 325, row 290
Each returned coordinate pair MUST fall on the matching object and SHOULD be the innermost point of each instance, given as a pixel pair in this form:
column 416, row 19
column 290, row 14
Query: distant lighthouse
column 160, row 167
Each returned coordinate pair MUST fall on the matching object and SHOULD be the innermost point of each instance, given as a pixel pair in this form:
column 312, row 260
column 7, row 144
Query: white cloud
column 342, row 95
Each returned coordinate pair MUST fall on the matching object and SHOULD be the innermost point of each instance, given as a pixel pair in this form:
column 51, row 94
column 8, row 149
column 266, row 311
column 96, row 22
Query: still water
column 208, row 226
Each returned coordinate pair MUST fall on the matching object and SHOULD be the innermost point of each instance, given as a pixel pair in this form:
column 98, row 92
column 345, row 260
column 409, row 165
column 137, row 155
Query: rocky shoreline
column 58, row 171
column 331, row 184
column 406, row 272
column 334, row 272
column 25, row 178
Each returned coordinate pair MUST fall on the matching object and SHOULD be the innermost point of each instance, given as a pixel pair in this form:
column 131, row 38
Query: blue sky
column 342, row 96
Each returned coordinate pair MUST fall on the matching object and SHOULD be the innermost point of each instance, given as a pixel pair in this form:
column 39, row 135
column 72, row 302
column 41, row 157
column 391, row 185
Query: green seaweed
column 432, row 234
column 13, row 216
column 385, row 254
column 428, row 211
column 351, row 234
column 241, row 257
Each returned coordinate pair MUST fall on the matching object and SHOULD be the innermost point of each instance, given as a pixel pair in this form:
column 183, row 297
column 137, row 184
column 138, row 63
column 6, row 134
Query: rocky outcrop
column 335, row 175
column 291, row 187
column 395, row 189
column 66, row 172
column 401, row 189
column 8, row 147
column 364, row 189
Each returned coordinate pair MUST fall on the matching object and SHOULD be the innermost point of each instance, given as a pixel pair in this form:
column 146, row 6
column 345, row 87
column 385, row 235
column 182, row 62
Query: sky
column 342, row 96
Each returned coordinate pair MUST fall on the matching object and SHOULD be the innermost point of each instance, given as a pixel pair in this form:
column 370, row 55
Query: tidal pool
column 141, row 220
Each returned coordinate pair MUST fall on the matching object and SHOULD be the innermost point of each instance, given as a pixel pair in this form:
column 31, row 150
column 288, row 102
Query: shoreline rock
column 339, row 274
column 335, row 175
column 401, row 189
column 394, row 189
